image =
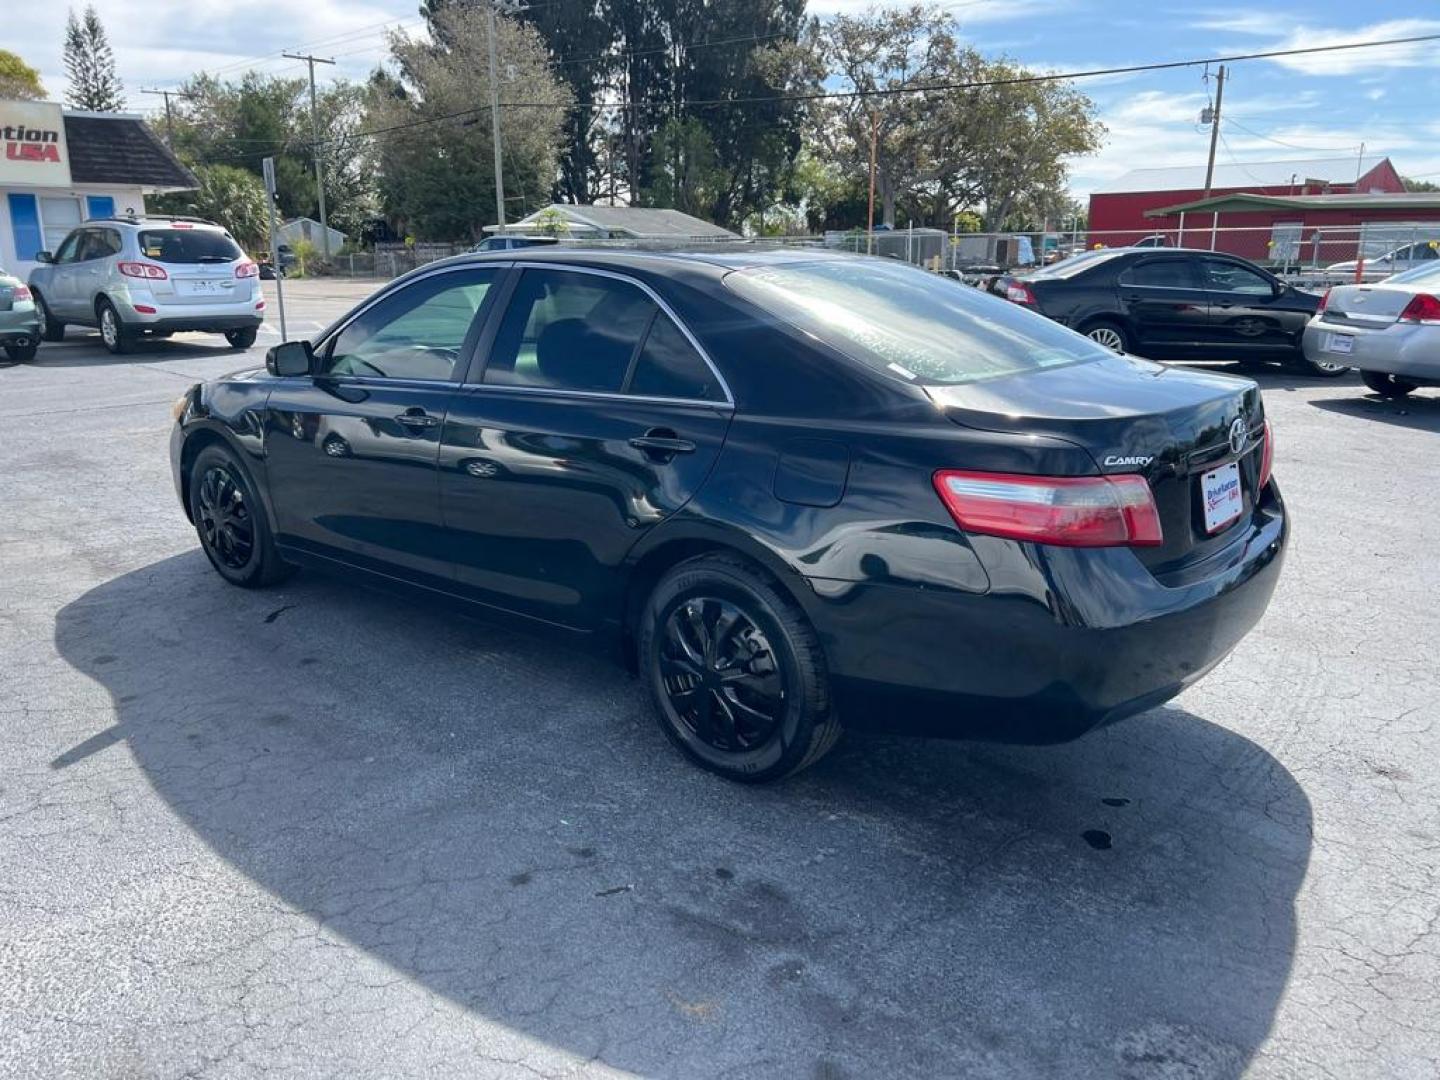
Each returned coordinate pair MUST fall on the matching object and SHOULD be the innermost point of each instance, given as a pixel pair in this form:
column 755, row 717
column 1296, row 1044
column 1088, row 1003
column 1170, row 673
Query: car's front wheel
column 735, row 671
column 113, row 332
column 1387, row 385
column 231, row 522
column 50, row 330
column 1110, row 334
column 241, row 339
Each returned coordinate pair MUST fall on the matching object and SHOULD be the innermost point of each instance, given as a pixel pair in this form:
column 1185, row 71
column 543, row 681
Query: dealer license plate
column 1220, row 491
column 1340, row 343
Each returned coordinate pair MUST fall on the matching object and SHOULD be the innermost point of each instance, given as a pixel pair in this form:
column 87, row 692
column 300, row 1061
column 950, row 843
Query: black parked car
column 1174, row 304
column 798, row 489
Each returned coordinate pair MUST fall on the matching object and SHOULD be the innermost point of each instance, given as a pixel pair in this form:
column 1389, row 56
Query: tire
column 1387, row 385
column 21, row 354
column 241, row 339
column 754, row 704
column 1320, row 369
column 50, row 330
column 226, row 509
column 113, row 333
column 1108, row 333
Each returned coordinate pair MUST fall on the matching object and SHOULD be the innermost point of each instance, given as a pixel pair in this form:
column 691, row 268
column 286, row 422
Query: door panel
column 546, row 493
column 1166, row 305
column 1246, row 315
column 351, row 452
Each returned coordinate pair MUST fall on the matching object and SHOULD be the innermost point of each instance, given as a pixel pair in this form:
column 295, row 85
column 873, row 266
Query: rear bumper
column 1103, row 639
column 236, row 314
column 1397, row 349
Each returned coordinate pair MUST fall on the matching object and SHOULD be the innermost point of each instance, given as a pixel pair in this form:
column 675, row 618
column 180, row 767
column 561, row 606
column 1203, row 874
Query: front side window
column 909, row 323
column 70, row 248
column 1161, row 274
column 416, row 333
column 188, row 246
column 99, row 244
column 569, row 331
column 1231, row 277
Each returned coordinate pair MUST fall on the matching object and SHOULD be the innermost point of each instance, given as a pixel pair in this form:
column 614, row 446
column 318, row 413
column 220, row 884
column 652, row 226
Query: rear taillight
column 1324, row 300
column 1267, row 456
column 142, row 270
column 1071, row 511
column 1422, row 309
column 247, row 269
column 22, row 292
column 1019, row 293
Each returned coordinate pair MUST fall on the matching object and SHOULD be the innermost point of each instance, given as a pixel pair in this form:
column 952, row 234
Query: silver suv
column 149, row 275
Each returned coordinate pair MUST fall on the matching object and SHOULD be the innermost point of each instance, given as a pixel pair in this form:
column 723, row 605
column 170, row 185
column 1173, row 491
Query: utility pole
column 315, row 150
column 267, row 168
column 509, row 8
column 870, row 219
column 169, row 117
column 1214, row 138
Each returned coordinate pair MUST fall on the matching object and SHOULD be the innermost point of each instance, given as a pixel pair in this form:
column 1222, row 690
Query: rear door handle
column 419, row 418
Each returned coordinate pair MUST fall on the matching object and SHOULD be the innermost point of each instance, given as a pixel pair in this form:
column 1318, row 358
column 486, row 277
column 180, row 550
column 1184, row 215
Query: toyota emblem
column 1238, row 433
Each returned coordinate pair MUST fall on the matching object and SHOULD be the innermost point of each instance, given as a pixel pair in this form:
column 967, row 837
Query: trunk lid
column 1365, row 305
column 1170, row 425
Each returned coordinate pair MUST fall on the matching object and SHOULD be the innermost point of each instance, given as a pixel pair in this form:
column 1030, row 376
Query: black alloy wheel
column 720, row 675
column 735, row 670
column 231, row 522
column 226, row 527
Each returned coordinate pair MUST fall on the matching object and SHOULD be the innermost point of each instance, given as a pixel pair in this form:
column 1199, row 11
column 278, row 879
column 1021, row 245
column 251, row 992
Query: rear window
column 188, row 246
column 910, row 323
column 1428, row 273
column 1075, row 264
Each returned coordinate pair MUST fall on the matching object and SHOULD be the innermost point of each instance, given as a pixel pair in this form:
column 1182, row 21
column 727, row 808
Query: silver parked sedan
column 1389, row 330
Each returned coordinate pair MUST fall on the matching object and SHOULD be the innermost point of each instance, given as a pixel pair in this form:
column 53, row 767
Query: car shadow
column 1420, row 411
column 1272, row 376
column 82, row 350
column 498, row 818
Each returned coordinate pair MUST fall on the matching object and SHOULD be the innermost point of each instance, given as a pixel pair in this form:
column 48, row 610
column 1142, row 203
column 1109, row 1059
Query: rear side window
column 569, row 331
column 188, row 246
column 1161, row 274
column 910, row 323
column 669, row 366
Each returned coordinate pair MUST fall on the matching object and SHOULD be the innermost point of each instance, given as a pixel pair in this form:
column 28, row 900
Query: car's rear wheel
column 241, row 339
column 21, row 354
column 1110, row 334
column 1387, row 385
column 735, row 671
column 50, row 330
column 231, row 522
column 113, row 332
column 1322, row 367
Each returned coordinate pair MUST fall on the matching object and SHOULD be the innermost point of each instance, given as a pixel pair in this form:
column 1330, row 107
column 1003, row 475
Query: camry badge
column 1113, row 461
column 1238, row 433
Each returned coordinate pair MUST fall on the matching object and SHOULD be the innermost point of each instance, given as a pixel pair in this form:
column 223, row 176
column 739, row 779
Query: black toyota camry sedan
column 796, row 490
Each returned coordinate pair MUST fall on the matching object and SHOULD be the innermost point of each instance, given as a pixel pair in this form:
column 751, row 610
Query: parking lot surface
column 320, row 831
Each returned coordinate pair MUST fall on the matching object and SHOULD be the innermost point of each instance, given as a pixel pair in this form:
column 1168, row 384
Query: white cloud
column 1282, row 32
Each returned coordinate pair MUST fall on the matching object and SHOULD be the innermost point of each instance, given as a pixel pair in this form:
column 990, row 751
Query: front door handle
column 662, row 443
column 417, row 418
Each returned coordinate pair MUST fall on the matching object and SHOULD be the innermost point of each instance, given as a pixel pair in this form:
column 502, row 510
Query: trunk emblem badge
column 1238, row 434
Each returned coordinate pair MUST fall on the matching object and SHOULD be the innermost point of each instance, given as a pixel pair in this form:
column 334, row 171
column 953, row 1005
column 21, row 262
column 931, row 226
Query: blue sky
column 1303, row 107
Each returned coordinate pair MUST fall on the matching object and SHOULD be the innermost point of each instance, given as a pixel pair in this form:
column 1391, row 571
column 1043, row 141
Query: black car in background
column 1174, row 304
column 798, row 490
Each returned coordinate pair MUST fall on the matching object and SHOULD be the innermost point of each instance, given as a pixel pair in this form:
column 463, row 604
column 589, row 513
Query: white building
column 308, row 229
column 59, row 168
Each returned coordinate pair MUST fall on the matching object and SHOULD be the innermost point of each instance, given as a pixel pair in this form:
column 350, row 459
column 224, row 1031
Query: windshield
column 188, row 246
column 910, row 323
column 1430, row 272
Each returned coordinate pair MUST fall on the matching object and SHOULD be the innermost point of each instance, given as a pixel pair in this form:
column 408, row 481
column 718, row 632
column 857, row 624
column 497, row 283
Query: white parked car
column 1406, row 257
column 149, row 275
column 1389, row 330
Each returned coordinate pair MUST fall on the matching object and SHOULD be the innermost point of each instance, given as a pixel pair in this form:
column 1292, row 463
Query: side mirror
column 44, row 257
column 290, row 358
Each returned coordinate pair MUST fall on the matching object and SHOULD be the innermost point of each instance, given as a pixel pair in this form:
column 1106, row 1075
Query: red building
column 1120, row 211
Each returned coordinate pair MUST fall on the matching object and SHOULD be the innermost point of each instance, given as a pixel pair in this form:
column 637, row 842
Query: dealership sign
column 32, row 145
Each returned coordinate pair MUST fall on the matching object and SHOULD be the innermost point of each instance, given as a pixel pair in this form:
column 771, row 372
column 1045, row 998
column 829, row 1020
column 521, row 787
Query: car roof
column 722, row 257
column 154, row 219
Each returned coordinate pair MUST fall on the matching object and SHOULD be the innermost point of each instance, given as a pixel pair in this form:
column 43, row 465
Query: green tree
column 18, row 80
column 228, row 195
column 94, row 84
column 1419, row 185
column 432, row 119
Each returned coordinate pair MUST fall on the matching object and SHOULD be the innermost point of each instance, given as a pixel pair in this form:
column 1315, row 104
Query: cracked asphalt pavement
column 324, row 832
